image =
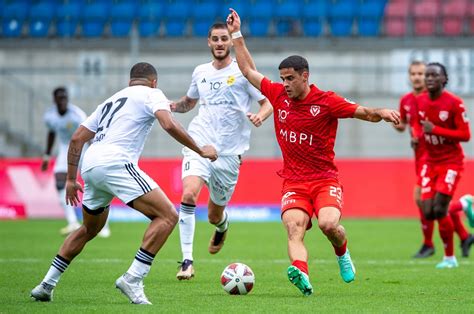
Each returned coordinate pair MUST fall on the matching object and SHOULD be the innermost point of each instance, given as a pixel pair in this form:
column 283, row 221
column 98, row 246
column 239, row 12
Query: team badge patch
column 443, row 115
column 315, row 110
column 230, row 80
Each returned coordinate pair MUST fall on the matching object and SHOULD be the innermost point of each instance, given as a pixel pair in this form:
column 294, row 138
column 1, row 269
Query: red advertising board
column 372, row 188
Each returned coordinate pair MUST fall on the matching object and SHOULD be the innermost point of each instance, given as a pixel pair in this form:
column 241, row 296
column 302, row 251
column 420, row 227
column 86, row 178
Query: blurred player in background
column 442, row 123
column 62, row 119
column 408, row 112
column 225, row 97
column 119, row 127
column 305, row 124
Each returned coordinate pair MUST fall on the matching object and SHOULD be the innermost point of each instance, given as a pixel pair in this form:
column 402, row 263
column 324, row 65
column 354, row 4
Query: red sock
column 427, row 227
column 340, row 250
column 301, row 265
column 459, row 227
column 446, row 231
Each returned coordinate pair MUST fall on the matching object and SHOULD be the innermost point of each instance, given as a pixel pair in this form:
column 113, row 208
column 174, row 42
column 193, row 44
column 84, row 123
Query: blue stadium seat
column 67, row 19
column 204, row 14
column 121, row 18
column 341, row 17
column 287, row 14
column 369, row 16
column 13, row 17
column 41, row 16
column 93, row 19
column 149, row 19
column 315, row 14
column 177, row 14
column 260, row 17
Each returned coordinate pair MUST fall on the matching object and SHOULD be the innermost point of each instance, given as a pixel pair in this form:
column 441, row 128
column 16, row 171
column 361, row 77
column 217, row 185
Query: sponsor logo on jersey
column 315, row 110
column 230, row 80
column 295, row 137
column 282, row 114
column 203, row 80
column 443, row 115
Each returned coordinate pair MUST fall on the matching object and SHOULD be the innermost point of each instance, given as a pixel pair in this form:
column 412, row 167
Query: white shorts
column 102, row 183
column 60, row 166
column 220, row 176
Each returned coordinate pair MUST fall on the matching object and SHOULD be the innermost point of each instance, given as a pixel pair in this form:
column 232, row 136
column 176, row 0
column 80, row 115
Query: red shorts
column 311, row 196
column 439, row 178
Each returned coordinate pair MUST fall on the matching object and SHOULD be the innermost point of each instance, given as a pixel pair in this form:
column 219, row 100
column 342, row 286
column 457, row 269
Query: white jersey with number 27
column 121, row 124
column 225, row 97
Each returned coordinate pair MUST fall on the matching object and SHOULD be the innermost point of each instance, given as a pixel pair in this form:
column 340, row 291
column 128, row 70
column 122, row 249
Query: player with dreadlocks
column 442, row 124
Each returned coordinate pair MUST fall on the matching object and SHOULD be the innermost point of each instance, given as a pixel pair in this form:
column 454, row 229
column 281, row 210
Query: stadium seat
column 341, row 17
column 41, row 16
column 425, row 15
column 314, row 16
column 204, row 14
column 396, row 18
column 67, row 19
column 94, row 18
column 287, row 15
column 177, row 13
column 369, row 15
column 121, row 18
column 149, row 19
column 260, row 17
column 13, row 17
column 453, row 16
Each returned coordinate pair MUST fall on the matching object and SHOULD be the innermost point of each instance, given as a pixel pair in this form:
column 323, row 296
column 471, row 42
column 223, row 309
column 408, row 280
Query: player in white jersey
column 62, row 119
column 225, row 97
column 119, row 128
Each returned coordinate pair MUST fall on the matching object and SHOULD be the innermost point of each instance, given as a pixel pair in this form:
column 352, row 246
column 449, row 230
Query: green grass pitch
column 387, row 280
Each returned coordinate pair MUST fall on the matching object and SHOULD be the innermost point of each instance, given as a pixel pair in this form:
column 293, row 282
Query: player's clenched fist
column 208, row 151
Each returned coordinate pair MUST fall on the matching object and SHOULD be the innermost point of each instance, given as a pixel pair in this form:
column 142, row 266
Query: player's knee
column 89, row 232
column 189, row 197
column 295, row 230
column 327, row 227
column 214, row 218
column 171, row 217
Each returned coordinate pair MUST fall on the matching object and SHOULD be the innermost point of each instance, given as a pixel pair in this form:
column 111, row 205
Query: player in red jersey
column 441, row 124
column 408, row 112
column 305, row 124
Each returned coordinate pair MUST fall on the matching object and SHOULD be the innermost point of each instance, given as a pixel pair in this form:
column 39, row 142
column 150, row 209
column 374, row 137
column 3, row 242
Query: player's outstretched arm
column 47, row 154
column 183, row 105
column 377, row 114
column 78, row 139
column 244, row 59
column 263, row 113
column 176, row 130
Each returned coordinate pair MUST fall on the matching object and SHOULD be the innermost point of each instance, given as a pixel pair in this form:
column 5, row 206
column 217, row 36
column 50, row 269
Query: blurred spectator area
column 261, row 18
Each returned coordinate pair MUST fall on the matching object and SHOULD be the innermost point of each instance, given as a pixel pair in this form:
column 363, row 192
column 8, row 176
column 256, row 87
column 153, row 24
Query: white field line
column 229, row 260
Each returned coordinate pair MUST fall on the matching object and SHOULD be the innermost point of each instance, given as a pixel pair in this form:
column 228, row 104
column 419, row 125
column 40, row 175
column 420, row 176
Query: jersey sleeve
column 254, row 93
column 92, row 122
column 340, row 107
column 157, row 101
column 270, row 90
column 193, row 91
column 48, row 121
column 403, row 112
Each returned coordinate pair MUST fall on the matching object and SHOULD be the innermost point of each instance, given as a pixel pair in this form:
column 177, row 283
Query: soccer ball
column 237, row 278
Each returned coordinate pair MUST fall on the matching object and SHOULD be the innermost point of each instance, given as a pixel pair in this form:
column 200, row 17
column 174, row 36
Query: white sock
column 69, row 211
column 141, row 264
column 187, row 224
column 464, row 203
column 222, row 225
column 58, row 266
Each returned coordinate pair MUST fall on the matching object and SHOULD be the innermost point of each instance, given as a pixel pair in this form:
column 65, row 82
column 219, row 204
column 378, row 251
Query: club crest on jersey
column 230, row 80
column 443, row 115
column 315, row 110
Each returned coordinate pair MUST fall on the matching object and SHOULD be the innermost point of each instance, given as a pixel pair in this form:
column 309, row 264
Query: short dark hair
column 143, row 70
column 218, row 25
column 58, row 90
column 443, row 69
column 298, row 63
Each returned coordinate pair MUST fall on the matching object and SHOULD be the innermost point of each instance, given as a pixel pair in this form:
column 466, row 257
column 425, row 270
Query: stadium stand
column 176, row 18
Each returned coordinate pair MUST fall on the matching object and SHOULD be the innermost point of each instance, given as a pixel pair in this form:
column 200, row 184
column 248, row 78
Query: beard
column 221, row 57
